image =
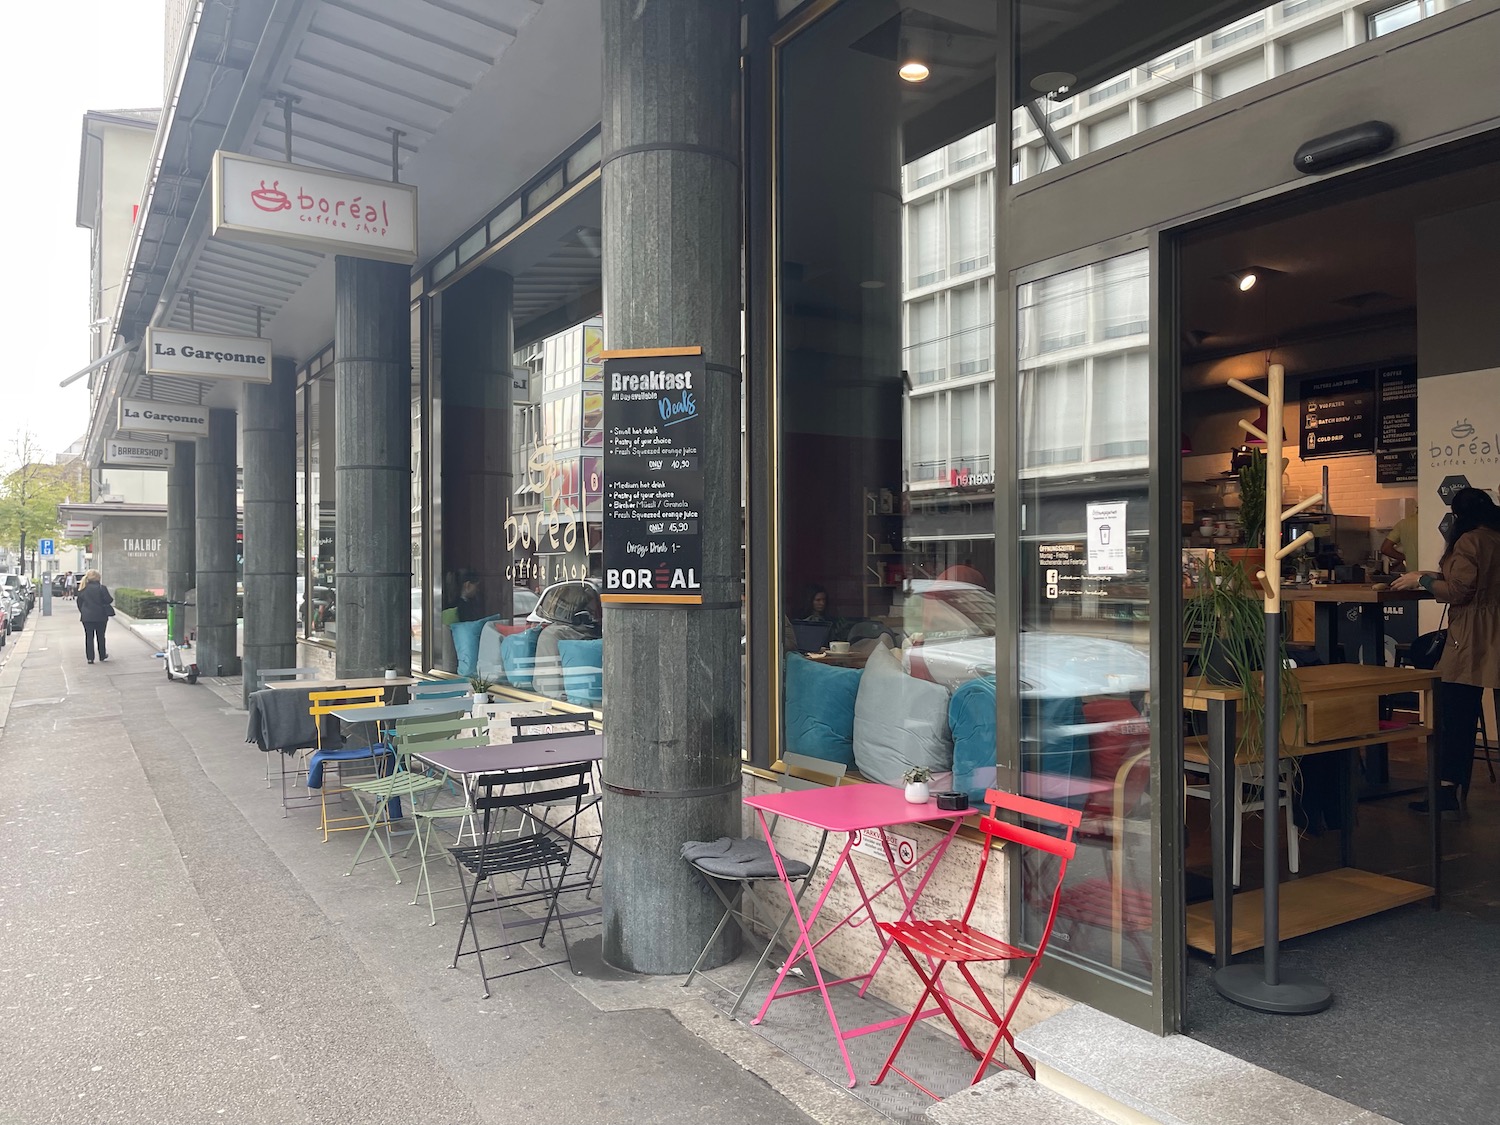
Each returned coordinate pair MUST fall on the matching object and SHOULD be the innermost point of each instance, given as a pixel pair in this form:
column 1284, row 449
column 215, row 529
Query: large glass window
column 887, row 567
column 418, row 490
column 1084, row 649
column 320, row 608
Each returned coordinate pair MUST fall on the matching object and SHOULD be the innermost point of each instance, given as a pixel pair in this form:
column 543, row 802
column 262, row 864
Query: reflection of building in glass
column 553, row 526
column 1245, row 53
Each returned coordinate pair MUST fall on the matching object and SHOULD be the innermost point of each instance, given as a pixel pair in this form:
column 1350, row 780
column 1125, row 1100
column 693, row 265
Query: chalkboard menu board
column 653, row 476
column 1338, row 416
column 1395, row 466
column 1396, row 405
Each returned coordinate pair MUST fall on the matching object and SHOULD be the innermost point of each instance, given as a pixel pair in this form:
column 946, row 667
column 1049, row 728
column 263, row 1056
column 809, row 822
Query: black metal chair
column 540, row 850
column 568, row 724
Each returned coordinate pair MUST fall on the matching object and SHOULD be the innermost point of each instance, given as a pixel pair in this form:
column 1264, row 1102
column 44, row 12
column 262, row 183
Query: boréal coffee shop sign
column 313, row 209
column 206, row 356
column 147, row 417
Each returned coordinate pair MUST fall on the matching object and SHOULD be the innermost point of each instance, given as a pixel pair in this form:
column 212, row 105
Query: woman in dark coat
column 95, row 607
column 1469, row 582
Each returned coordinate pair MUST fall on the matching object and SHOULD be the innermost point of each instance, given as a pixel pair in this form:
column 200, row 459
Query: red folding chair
column 931, row 946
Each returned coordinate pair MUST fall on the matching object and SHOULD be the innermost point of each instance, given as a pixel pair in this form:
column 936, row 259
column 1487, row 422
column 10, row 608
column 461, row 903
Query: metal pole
column 1270, row 989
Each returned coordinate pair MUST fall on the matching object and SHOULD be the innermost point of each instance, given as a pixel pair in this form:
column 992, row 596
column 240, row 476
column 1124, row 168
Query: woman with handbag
column 1468, row 581
column 96, row 605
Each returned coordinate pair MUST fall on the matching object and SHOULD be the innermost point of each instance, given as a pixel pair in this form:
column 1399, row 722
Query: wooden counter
column 1341, row 714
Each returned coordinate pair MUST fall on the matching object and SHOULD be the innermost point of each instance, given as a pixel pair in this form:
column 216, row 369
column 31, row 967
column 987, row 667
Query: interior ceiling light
column 1247, row 281
column 913, row 71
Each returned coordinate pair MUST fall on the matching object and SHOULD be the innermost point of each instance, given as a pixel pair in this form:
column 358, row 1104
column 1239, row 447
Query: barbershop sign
column 202, row 355
column 312, row 209
column 145, row 416
column 140, row 454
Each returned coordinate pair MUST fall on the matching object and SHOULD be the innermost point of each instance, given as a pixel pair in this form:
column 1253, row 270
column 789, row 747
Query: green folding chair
column 448, row 734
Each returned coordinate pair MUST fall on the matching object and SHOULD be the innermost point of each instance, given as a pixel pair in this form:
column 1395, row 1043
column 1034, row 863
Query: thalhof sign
column 146, row 417
column 140, row 454
column 202, row 355
column 312, row 209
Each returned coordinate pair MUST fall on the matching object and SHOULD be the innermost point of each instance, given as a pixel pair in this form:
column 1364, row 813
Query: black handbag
column 1427, row 650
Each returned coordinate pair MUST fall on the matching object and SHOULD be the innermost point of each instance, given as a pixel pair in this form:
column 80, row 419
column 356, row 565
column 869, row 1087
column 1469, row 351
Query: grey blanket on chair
column 738, row 859
column 279, row 720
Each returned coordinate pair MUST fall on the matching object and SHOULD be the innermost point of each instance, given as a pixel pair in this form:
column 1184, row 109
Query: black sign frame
column 1337, row 416
column 654, row 403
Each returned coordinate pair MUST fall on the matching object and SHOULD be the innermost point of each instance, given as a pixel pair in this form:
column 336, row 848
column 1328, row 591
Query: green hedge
column 141, row 604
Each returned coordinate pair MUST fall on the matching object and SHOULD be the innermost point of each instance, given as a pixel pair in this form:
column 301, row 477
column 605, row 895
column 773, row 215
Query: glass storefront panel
column 320, row 607
column 418, row 491
column 1083, row 443
column 887, row 565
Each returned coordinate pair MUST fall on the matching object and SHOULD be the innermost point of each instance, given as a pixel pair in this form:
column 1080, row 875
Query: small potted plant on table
column 481, row 688
column 916, row 780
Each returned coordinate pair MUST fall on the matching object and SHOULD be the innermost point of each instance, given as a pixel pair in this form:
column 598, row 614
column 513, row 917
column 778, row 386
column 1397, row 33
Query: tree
column 31, row 492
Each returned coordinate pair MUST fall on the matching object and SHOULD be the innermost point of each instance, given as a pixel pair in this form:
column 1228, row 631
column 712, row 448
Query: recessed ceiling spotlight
column 1247, row 281
column 914, row 71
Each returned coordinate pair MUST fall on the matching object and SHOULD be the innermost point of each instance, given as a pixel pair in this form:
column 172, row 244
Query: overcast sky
column 61, row 59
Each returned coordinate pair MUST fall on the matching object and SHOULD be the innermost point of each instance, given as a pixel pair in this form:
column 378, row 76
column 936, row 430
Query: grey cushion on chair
column 739, row 859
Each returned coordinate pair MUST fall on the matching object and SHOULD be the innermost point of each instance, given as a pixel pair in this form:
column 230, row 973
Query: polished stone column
column 217, row 523
column 181, row 526
column 372, row 396
column 672, row 278
column 478, row 345
column 270, row 435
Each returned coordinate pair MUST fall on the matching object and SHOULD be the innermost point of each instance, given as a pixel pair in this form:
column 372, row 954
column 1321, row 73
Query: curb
column 12, row 658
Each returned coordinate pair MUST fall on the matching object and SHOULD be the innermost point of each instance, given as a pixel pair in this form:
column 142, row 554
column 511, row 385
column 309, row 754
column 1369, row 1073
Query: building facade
column 962, row 393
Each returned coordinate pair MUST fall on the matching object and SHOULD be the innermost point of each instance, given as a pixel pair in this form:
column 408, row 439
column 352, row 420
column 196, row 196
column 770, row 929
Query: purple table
column 539, row 752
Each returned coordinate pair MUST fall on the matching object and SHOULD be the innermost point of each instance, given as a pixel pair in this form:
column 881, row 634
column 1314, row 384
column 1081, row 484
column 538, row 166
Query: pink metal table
column 850, row 809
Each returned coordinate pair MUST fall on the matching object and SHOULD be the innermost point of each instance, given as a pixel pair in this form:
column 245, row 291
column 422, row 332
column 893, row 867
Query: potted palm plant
column 1252, row 556
column 1225, row 615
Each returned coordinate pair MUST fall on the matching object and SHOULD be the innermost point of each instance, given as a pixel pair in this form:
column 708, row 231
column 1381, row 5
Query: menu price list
column 653, row 478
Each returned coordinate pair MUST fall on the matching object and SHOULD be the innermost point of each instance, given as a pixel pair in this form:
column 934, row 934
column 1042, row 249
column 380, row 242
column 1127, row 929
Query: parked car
column 522, row 602
column 4, row 621
column 575, row 603
column 16, row 608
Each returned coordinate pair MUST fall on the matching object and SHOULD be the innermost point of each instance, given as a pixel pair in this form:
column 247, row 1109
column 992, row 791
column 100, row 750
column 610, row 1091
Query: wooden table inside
column 1340, row 714
column 1361, row 630
column 1344, row 592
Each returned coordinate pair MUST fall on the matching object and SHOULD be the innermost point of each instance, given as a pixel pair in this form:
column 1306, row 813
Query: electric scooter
column 178, row 656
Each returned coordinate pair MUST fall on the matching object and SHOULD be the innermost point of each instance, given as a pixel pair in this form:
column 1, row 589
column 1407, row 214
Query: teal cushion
column 466, row 643
column 583, row 671
column 820, row 709
column 518, row 657
column 971, row 715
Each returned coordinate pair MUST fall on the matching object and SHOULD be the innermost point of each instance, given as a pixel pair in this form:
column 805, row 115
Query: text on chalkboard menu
column 1338, row 416
column 653, row 476
column 1396, row 405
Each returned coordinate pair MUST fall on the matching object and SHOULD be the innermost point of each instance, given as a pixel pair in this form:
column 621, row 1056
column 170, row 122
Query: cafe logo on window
column 967, row 478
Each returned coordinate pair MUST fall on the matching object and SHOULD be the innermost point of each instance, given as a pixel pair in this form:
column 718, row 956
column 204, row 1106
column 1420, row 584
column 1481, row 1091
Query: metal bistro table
column 1341, row 708
column 475, row 761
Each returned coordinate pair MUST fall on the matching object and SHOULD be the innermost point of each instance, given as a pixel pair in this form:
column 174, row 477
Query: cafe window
column 1084, row 645
column 887, row 562
column 418, row 491
column 319, row 599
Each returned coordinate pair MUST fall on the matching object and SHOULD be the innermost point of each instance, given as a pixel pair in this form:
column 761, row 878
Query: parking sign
column 44, row 546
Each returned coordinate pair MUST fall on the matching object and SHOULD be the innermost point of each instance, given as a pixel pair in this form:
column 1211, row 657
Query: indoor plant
column 481, row 688
column 1252, row 479
column 916, row 780
column 1225, row 614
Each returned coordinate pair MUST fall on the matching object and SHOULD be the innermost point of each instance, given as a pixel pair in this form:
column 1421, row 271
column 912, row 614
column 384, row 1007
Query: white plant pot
column 916, row 792
column 481, row 697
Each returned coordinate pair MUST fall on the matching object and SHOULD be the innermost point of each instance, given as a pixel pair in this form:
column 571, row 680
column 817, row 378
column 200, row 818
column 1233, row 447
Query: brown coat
column 1472, row 571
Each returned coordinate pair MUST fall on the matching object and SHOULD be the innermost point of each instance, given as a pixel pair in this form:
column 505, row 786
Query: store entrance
column 1380, row 301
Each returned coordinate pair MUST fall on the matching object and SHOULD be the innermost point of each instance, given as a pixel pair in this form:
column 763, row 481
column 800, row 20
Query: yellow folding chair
column 320, row 704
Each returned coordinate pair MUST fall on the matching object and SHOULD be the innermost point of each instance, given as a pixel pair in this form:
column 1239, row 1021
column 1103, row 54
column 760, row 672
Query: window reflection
column 1084, row 648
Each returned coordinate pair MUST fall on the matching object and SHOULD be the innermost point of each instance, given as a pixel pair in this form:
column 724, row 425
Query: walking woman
column 95, row 607
column 1469, row 582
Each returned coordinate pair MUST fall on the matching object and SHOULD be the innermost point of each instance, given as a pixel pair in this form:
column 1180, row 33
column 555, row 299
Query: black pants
column 93, row 630
column 1460, row 714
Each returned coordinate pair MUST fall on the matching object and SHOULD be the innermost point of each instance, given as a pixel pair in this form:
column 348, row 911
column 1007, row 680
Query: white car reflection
column 950, row 627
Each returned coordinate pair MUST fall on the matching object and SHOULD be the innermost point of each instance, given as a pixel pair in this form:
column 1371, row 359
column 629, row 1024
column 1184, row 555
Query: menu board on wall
column 653, row 476
column 1396, row 466
column 1338, row 416
column 1396, row 407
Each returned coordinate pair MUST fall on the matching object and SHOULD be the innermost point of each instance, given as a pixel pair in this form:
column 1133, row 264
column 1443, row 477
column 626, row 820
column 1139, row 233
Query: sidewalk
column 176, row 950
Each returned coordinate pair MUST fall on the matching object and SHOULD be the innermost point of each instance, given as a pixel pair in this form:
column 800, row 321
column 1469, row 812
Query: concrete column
column 270, row 433
column 217, row 523
column 181, row 525
column 372, row 396
column 672, row 278
column 477, row 347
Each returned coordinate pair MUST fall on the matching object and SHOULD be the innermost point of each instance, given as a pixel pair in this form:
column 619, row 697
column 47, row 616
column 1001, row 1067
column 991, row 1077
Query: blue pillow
column 518, row 656
column 466, row 642
column 971, row 717
column 583, row 671
column 820, row 709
